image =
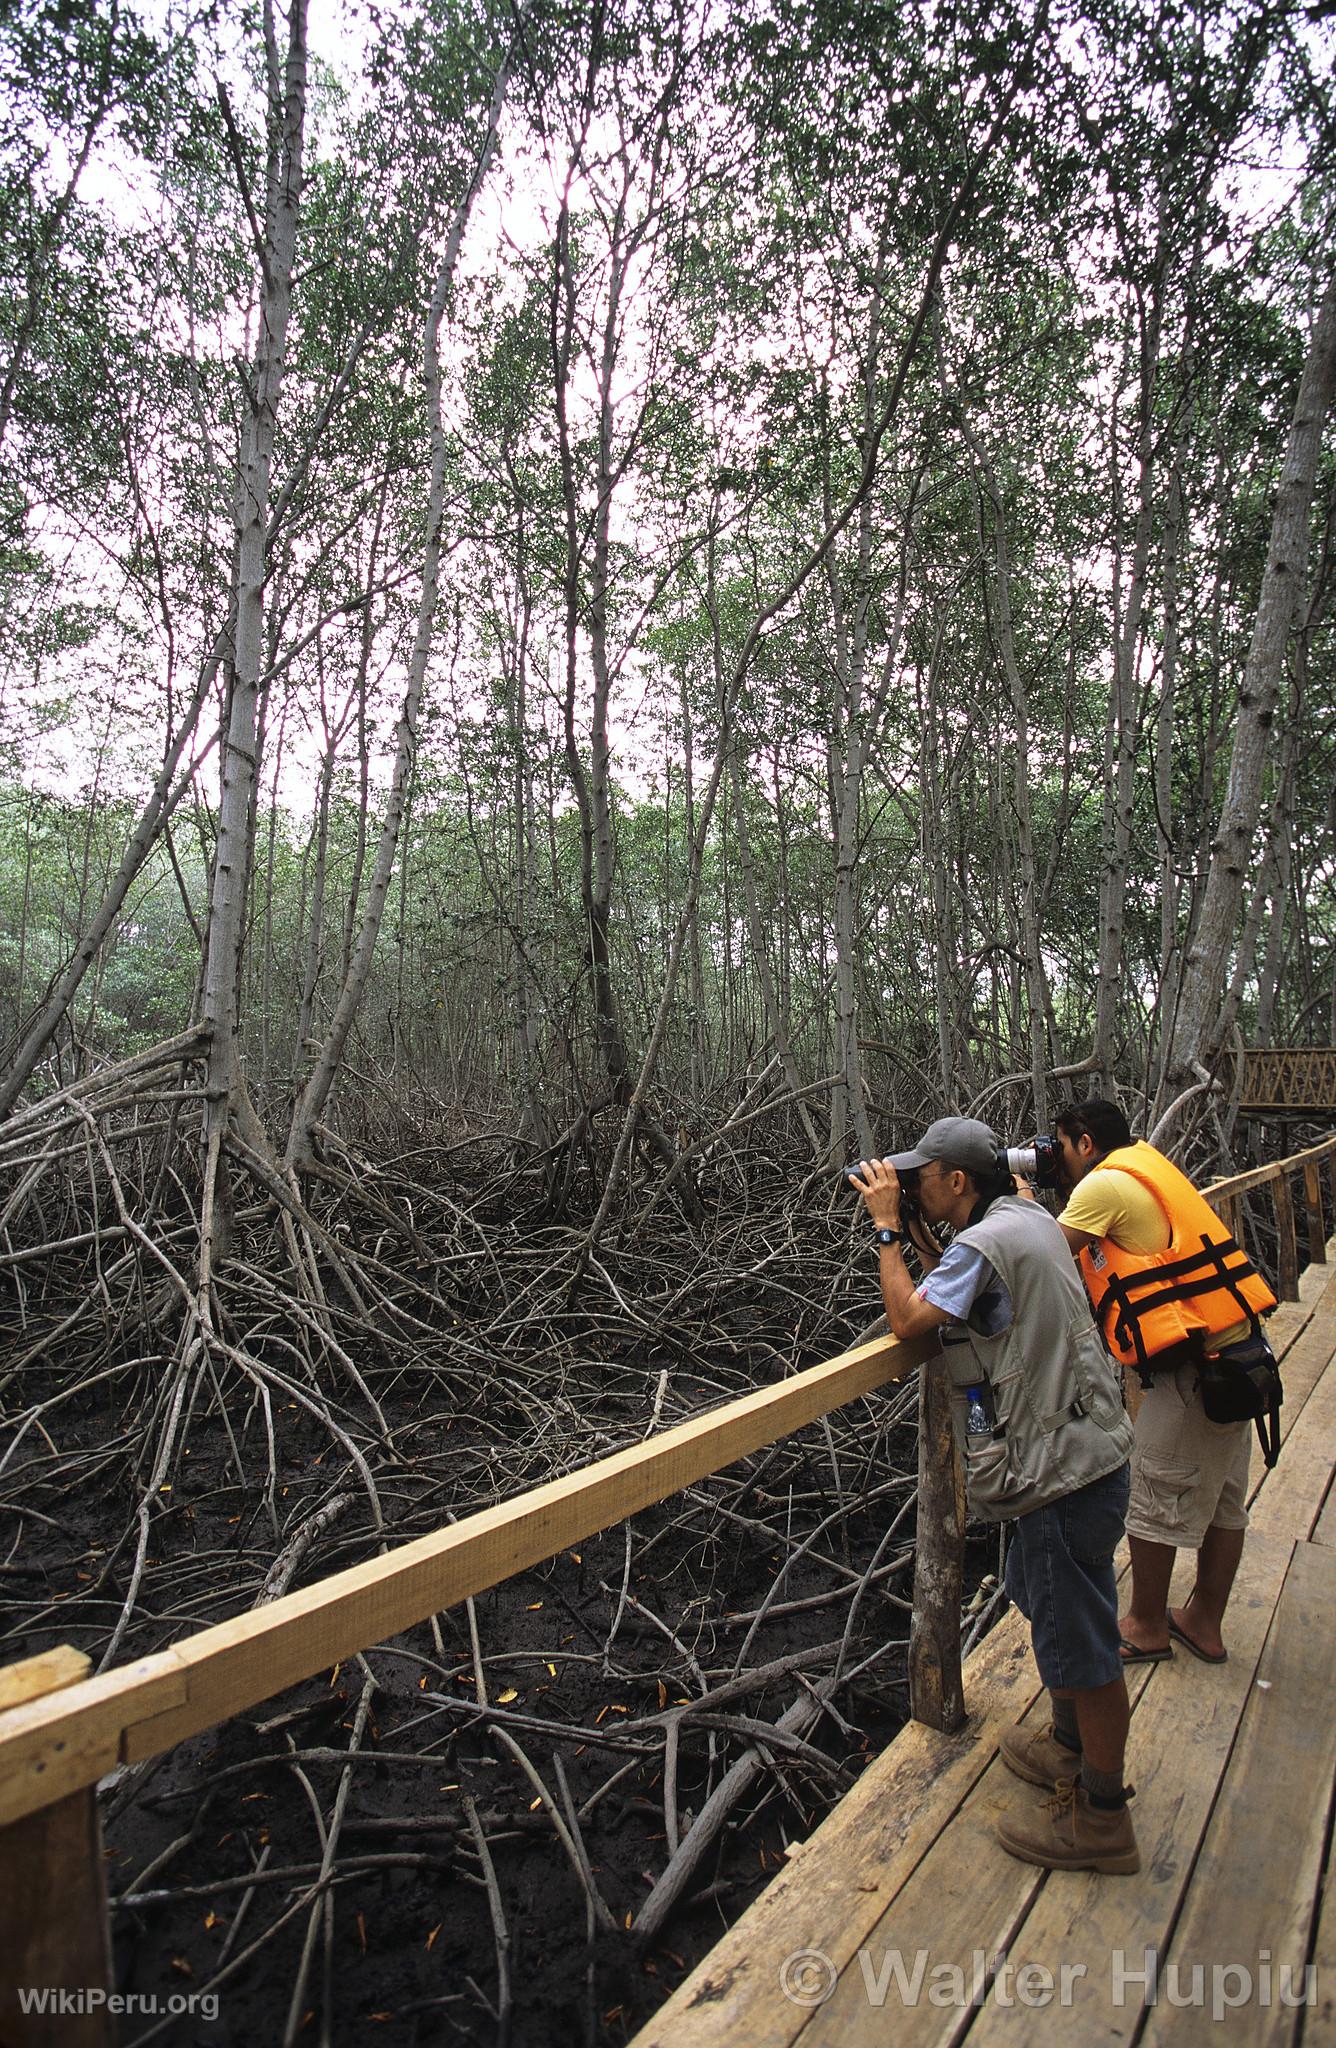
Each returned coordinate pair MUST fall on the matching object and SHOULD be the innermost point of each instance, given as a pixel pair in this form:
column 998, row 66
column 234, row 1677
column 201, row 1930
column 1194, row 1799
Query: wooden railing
column 62, row 1730
column 1226, row 1197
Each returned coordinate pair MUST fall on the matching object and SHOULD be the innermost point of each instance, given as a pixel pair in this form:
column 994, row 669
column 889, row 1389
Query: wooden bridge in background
column 1234, row 1766
column 1283, row 1080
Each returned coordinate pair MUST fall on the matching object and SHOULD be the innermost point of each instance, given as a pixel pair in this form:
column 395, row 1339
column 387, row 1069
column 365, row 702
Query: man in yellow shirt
column 1189, row 1475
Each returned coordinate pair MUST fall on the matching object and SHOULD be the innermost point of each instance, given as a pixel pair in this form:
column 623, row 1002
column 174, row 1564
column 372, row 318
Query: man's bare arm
column 906, row 1311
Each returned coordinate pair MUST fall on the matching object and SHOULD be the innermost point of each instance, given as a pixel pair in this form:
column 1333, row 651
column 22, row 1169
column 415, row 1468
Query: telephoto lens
column 1038, row 1161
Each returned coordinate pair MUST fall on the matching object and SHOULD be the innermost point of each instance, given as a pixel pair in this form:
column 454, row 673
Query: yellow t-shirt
column 1111, row 1203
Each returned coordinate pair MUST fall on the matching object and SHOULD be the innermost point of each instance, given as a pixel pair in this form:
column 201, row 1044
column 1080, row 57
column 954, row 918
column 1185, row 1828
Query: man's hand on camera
column 923, row 1239
column 879, row 1184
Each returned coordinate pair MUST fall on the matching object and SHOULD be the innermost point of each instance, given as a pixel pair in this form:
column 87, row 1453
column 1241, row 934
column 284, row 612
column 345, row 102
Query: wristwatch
column 888, row 1236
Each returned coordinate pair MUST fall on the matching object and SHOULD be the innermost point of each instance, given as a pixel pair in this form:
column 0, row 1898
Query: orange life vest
column 1200, row 1286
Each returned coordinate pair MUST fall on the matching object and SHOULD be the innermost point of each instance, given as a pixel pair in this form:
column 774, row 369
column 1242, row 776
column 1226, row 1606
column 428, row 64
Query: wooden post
column 1227, row 1209
column 936, row 1690
column 54, row 1935
column 1317, row 1226
column 1287, row 1249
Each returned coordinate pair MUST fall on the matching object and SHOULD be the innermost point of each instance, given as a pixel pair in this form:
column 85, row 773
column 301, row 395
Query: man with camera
column 1171, row 1291
column 1044, row 1440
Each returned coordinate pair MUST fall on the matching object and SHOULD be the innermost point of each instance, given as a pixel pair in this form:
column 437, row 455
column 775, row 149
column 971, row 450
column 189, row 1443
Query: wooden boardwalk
column 902, row 1921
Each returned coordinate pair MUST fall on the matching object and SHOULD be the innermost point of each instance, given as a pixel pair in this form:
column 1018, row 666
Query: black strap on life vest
column 1214, row 1266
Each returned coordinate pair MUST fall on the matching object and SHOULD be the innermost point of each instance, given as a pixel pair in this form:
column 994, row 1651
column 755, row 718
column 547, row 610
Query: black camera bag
column 1241, row 1383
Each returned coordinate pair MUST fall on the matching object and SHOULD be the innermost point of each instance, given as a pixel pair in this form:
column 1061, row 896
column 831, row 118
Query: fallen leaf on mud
column 504, row 1698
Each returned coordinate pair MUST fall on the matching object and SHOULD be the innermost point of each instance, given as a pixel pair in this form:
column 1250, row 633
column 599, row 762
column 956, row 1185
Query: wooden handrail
column 52, row 1746
column 1257, row 1176
column 1224, row 1197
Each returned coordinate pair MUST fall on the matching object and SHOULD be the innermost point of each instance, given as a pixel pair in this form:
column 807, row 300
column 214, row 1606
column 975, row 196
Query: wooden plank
column 51, row 1747
column 955, row 1915
column 881, row 1831
column 914, row 1976
column 1303, row 1364
column 1324, row 1529
column 1287, row 1247
column 1319, row 2022
column 49, row 1671
column 1182, row 1733
column 1317, row 1224
column 835, row 1888
column 915, row 1973
column 1290, row 1501
column 1254, row 1885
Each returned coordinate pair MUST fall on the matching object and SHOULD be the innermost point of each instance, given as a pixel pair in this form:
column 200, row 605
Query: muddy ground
column 212, row 1851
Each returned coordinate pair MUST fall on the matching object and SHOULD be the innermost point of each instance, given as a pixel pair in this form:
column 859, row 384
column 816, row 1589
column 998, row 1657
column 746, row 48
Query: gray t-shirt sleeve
column 966, row 1285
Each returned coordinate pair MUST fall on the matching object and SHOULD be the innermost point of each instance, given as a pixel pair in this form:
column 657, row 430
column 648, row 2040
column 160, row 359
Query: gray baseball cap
column 956, row 1141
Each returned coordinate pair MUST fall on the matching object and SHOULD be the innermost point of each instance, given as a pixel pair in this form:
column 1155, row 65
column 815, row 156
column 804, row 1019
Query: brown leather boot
column 1036, row 1755
column 1068, row 1833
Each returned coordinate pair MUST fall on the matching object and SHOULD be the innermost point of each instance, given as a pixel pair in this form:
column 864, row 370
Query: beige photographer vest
column 1059, row 1420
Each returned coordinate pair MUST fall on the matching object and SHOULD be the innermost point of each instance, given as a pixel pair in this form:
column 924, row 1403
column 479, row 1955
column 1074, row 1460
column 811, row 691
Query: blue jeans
column 1060, row 1574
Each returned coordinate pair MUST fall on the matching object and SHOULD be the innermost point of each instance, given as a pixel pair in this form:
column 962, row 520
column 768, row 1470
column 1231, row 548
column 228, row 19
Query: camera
column 1040, row 1161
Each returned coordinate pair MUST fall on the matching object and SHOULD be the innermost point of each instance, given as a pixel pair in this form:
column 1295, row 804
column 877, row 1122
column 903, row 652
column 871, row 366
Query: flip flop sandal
column 1180, row 1635
column 1132, row 1653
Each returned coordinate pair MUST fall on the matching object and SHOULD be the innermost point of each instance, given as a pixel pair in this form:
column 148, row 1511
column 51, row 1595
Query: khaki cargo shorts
column 1188, row 1475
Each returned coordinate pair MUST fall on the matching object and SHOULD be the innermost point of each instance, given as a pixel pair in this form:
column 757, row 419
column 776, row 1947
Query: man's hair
column 1101, row 1121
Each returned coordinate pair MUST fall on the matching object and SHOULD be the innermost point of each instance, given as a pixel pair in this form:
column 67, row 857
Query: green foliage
column 767, row 184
